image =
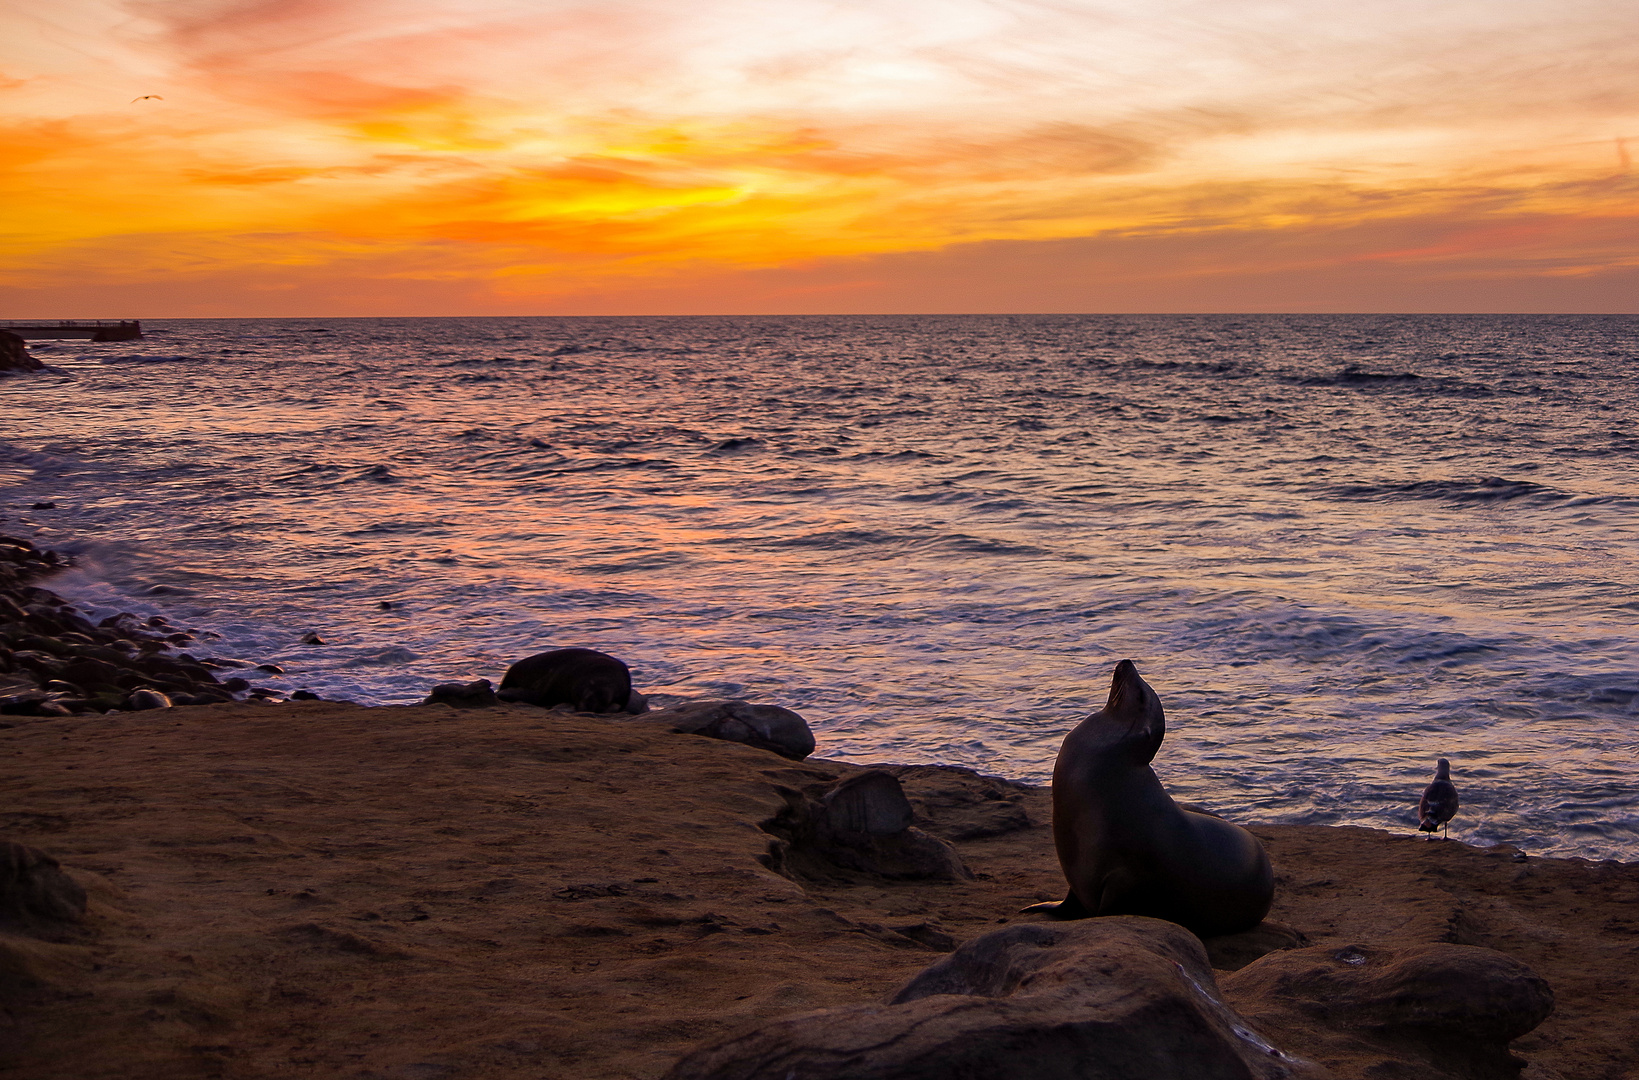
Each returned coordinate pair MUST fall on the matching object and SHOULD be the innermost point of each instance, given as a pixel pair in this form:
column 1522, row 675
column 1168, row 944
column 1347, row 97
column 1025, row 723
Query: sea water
column 1338, row 547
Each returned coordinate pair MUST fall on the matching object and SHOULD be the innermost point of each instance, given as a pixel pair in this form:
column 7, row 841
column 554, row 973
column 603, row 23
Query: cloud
column 500, row 142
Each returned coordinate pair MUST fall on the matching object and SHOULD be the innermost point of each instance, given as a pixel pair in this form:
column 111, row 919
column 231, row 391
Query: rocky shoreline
column 224, row 889
column 55, row 662
column 14, row 355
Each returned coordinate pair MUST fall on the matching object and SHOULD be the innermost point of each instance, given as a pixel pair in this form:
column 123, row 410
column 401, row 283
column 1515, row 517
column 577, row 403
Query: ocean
column 1338, row 547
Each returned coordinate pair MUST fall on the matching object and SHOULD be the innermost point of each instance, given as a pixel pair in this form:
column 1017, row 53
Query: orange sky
column 382, row 157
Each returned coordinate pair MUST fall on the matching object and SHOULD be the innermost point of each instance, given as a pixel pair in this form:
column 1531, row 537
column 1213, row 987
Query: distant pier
column 95, row 329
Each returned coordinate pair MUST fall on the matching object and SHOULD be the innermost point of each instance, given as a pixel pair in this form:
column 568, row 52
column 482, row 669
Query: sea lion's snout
column 1136, row 710
column 1127, row 690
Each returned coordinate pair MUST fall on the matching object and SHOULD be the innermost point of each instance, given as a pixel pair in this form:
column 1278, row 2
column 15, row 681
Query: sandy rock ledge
column 324, row 890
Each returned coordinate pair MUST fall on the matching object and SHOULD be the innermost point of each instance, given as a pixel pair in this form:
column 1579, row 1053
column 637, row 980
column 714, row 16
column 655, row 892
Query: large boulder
column 478, row 694
column 33, row 886
column 859, row 825
column 767, row 727
column 583, row 679
column 957, row 804
column 1436, row 1009
column 1105, row 999
column 14, row 354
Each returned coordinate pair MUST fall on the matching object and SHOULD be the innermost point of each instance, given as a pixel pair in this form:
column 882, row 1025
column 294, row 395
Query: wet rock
column 14, row 354
column 33, row 886
column 473, row 695
column 46, row 645
column 203, row 697
column 23, row 702
column 767, row 727
column 141, row 700
column 1105, row 999
column 583, row 679
column 1436, row 1009
column 861, row 824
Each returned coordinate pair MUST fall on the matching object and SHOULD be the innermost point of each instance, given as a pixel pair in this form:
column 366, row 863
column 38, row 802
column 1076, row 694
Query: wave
column 1359, row 378
column 1486, row 490
column 145, row 358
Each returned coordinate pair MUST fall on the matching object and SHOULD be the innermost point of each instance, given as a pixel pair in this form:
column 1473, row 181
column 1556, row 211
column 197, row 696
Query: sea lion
column 1127, row 848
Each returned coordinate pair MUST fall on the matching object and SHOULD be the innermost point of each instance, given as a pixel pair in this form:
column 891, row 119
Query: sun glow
column 591, row 152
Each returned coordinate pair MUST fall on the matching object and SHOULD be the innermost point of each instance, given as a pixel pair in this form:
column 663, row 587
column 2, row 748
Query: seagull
column 1439, row 802
column 147, row 97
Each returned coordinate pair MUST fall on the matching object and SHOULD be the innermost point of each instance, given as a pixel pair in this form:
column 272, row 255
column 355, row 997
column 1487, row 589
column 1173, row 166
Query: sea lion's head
column 1131, row 723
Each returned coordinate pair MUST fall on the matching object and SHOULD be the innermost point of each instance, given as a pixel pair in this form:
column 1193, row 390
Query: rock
column 637, row 704
column 147, row 699
column 1105, row 999
column 312, row 638
column 767, row 727
column 1231, row 952
column 99, row 675
column 304, row 695
column 33, row 886
column 860, row 824
column 23, row 702
column 956, row 804
column 14, row 354
column 584, row 679
column 1434, row 1009
column 472, row 695
column 871, row 803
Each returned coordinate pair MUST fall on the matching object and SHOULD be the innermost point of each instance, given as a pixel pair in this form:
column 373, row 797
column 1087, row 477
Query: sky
column 473, row 157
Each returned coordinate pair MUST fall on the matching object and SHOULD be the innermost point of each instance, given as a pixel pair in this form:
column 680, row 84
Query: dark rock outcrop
column 55, row 662
column 1120, row 997
column 861, row 825
column 767, row 727
column 478, row 694
column 33, row 886
column 1440, row 1010
column 584, row 679
column 957, row 804
column 1105, row 999
column 14, row 354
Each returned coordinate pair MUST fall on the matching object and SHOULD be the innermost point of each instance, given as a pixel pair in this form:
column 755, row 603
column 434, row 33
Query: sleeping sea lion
column 1127, row 848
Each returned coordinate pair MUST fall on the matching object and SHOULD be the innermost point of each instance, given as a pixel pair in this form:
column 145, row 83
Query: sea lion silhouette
column 1127, row 848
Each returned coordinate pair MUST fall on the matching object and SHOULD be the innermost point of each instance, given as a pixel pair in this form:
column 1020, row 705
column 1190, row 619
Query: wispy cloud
column 572, row 148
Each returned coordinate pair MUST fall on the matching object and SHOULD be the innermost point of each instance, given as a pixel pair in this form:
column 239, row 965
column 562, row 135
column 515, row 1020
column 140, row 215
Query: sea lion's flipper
column 1064, row 910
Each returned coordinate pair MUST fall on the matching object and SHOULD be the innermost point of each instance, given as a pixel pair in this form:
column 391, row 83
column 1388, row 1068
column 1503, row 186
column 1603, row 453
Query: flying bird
column 147, row 97
column 1439, row 803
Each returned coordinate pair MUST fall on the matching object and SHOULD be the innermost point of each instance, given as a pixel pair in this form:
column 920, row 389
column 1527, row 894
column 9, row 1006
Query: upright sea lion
column 1127, row 848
